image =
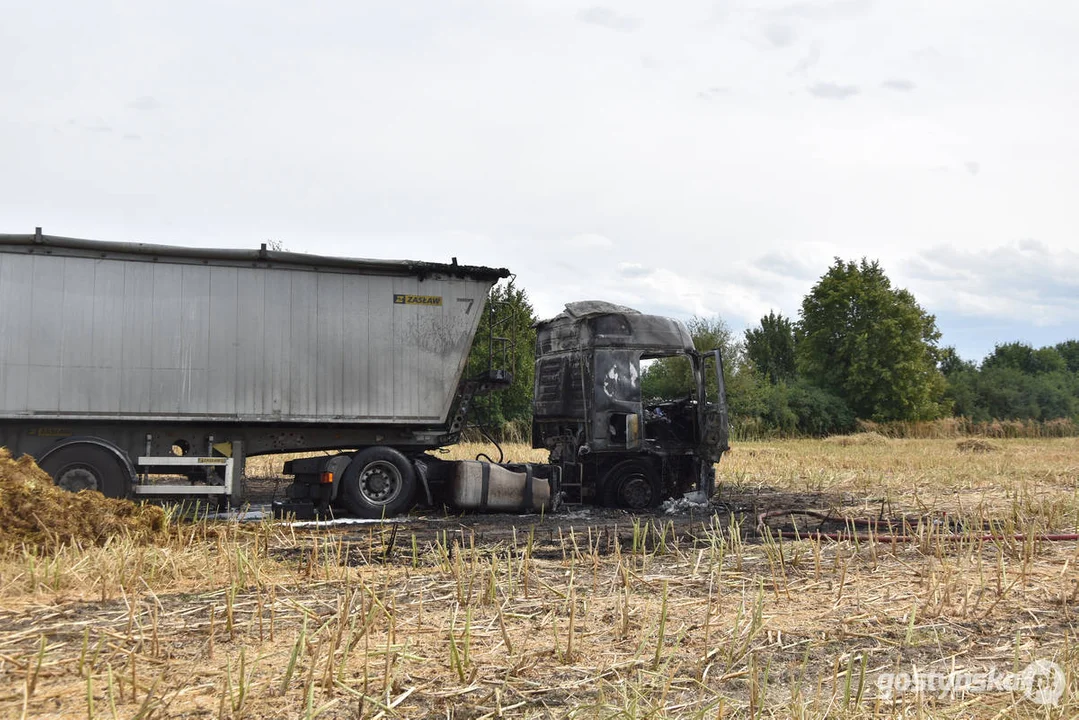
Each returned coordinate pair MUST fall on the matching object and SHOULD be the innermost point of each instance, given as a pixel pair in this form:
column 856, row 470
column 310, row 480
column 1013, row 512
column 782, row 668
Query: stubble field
column 587, row 614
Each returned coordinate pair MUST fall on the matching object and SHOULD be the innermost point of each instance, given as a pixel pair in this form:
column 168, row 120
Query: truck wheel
column 631, row 484
column 379, row 482
column 87, row 467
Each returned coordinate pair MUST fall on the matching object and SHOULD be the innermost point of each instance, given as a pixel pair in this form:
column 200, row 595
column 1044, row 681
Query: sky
column 683, row 158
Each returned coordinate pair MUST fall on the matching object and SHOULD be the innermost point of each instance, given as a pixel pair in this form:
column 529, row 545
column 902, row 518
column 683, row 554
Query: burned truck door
column 617, row 416
column 713, row 408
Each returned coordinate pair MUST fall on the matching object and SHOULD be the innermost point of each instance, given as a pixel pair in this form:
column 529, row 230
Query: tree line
column 859, row 350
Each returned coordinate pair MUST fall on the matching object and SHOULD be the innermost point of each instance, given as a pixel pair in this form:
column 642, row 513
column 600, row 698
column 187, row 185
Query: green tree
column 1018, row 382
column 1024, row 358
column 819, row 412
column 770, row 348
column 949, row 362
column 785, row 409
column 507, row 314
column 870, row 344
column 960, row 385
column 1069, row 350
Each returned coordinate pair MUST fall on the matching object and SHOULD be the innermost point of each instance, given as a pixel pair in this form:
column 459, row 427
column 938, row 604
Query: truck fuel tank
column 486, row 486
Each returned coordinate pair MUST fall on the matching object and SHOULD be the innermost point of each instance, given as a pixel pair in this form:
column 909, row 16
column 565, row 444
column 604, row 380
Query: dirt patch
column 975, row 445
column 34, row 512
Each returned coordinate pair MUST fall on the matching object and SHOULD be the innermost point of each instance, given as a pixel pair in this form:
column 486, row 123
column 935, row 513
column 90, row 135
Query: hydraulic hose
column 490, row 438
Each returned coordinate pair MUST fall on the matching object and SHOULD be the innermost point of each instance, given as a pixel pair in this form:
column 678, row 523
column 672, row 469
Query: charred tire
column 379, row 482
column 632, row 484
column 82, row 466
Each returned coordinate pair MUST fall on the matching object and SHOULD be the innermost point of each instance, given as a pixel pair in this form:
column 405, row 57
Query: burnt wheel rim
column 76, row 478
column 635, row 492
column 380, row 482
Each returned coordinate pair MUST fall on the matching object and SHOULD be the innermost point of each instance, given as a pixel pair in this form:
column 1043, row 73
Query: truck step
column 572, row 494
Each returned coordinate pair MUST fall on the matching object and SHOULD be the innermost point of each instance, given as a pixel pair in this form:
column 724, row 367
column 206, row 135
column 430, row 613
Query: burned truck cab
column 615, row 446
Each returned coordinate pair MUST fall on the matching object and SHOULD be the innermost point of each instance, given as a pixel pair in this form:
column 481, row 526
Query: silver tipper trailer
column 121, row 361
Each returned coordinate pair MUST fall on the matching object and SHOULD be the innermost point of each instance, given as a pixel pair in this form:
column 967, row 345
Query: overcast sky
column 679, row 157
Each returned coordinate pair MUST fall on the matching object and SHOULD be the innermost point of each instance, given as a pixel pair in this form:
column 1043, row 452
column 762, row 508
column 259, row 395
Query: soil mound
column 975, row 445
column 34, row 512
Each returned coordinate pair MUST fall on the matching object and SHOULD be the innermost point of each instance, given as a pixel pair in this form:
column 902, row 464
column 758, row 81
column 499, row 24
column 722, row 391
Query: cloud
column 973, row 166
column 634, row 270
column 719, row 12
column 591, row 240
column 928, row 269
column 645, row 287
column 713, row 92
column 779, row 34
column 937, row 62
column 608, row 18
column 782, row 25
column 824, row 11
column 806, row 63
column 1032, row 247
column 661, row 291
column 144, row 102
column 898, row 84
column 1023, row 281
column 787, row 265
column 833, row 91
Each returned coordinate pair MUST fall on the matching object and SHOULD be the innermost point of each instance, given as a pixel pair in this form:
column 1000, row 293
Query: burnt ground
column 592, row 529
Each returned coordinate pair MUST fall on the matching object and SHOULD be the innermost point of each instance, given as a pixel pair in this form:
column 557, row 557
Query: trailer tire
column 83, row 466
column 379, row 482
column 632, row 484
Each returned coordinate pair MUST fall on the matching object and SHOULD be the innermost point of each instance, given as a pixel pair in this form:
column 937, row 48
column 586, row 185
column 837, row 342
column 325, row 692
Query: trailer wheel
column 379, row 482
column 82, row 466
column 632, row 484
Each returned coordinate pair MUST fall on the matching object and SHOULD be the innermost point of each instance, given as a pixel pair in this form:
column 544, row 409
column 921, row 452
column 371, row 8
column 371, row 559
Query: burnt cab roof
column 597, row 324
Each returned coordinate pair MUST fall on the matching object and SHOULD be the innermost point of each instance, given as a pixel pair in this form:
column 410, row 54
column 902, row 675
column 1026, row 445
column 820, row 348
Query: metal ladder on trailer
column 229, row 463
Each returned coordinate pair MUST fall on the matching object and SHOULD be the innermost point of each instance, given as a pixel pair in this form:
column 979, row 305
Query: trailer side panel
column 116, row 337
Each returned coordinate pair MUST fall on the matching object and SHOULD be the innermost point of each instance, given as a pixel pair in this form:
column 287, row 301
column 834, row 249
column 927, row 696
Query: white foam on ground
column 252, row 515
column 339, row 522
column 258, row 513
column 691, row 501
